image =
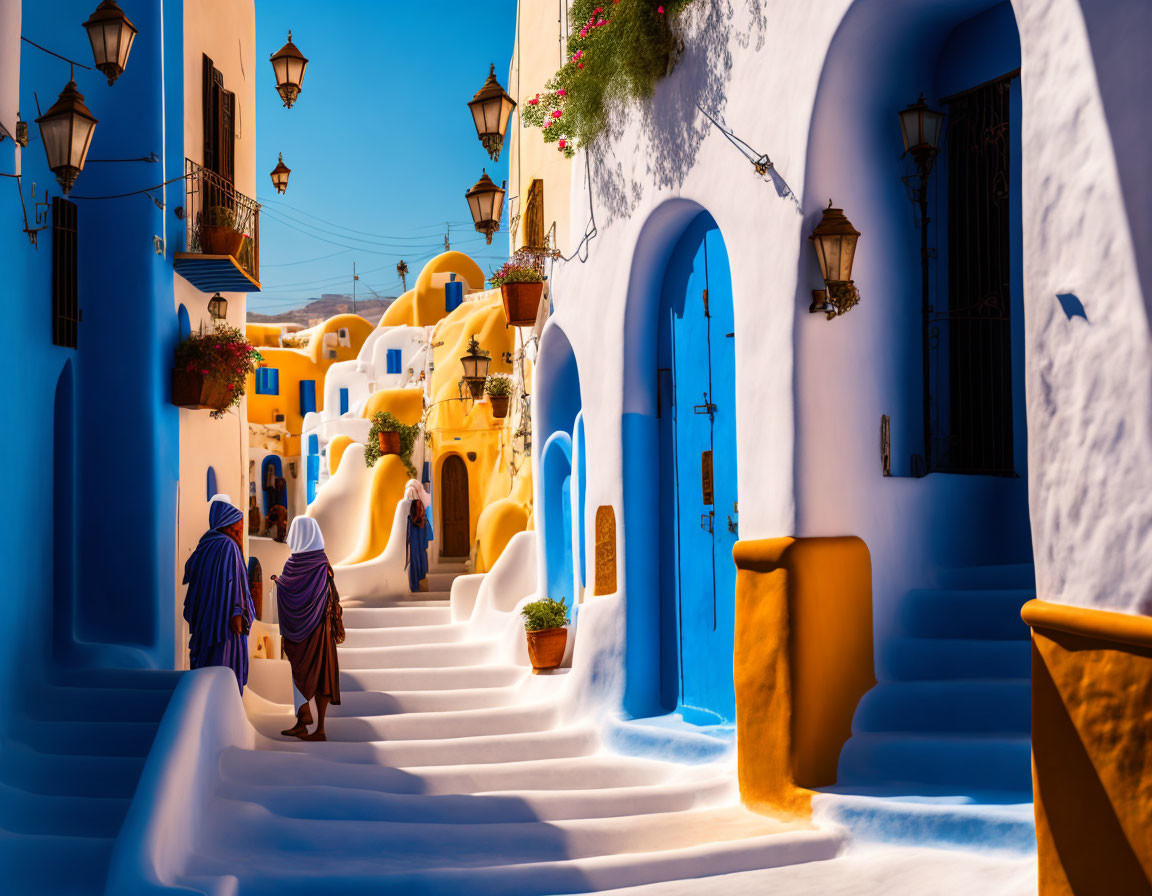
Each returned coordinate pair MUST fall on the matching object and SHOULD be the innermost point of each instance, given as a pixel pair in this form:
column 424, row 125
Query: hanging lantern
column 491, row 108
column 280, row 175
column 218, row 308
column 921, row 128
column 289, row 63
column 111, row 36
column 835, row 241
column 66, row 131
column 486, row 202
column 475, row 365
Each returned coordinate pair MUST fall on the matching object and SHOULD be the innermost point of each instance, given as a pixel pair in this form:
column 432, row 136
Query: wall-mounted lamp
column 280, row 175
column 486, row 202
column 475, row 365
column 288, row 63
column 835, row 241
column 491, row 108
column 218, row 308
column 66, row 130
column 111, row 36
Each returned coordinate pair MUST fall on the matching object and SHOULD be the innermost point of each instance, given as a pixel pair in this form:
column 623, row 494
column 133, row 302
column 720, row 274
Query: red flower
column 660, row 9
column 556, row 113
column 581, row 65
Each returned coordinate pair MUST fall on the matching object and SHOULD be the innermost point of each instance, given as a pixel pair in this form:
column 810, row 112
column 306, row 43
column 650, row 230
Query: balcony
column 222, row 247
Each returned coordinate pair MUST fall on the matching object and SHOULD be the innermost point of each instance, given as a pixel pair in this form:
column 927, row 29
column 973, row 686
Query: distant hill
column 323, row 308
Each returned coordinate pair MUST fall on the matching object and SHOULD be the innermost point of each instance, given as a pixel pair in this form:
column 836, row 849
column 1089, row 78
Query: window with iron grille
column 65, row 275
column 969, row 327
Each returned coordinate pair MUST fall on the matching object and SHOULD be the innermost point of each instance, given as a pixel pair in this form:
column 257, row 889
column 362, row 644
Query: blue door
column 695, row 377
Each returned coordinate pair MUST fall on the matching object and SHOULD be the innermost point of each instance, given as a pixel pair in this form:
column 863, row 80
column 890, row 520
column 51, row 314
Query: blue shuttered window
column 267, row 381
column 453, row 295
column 307, row 396
column 343, row 401
column 395, row 360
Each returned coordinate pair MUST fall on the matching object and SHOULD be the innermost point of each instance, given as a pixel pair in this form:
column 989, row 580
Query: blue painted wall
column 90, row 553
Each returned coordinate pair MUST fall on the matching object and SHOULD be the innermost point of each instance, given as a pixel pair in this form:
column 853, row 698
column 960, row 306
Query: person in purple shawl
column 305, row 595
column 218, row 606
column 418, row 533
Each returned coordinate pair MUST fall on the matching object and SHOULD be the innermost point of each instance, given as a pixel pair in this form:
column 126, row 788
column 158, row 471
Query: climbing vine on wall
column 617, row 51
column 382, row 421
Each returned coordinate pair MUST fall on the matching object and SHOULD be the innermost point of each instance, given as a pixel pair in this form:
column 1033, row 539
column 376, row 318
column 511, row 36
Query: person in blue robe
column 218, row 606
column 416, row 539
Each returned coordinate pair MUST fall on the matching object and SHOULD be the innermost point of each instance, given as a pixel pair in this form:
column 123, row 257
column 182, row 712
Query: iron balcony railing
column 221, row 220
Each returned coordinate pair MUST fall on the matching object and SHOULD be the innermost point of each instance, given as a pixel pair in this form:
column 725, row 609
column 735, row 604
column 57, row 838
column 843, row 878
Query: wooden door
column 454, row 508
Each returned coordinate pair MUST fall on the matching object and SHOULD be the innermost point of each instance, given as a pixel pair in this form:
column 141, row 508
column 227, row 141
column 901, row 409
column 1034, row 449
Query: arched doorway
column 271, row 480
column 946, row 519
column 454, row 518
column 556, row 517
column 681, row 511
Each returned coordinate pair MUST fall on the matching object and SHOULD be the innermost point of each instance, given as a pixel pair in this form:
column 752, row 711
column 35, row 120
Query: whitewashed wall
column 1089, row 382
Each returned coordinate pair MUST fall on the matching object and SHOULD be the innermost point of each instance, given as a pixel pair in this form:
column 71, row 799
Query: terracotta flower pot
column 546, row 648
column 389, row 441
column 220, row 240
column 196, row 391
column 521, row 302
column 499, row 405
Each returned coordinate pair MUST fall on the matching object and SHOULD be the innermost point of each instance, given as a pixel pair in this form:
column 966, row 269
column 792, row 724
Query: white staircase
column 449, row 770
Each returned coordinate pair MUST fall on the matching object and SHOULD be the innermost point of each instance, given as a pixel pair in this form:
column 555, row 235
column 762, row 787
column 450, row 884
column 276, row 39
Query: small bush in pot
column 499, row 388
column 521, row 286
column 544, row 624
column 219, row 234
column 210, row 369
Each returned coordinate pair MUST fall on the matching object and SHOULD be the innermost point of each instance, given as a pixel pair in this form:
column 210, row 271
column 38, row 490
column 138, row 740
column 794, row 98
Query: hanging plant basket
column 546, row 648
column 521, row 302
column 499, row 406
column 197, row 391
column 389, row 441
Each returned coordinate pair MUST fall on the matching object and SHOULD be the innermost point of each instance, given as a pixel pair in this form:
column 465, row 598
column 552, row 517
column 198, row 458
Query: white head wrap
column 304, row 535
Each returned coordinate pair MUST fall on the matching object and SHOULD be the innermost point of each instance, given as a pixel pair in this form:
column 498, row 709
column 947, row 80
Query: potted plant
column 544, row 624
column 521, row 286
column 499, row 389
column 389, row 436
column 210, row 369
column 219, row 234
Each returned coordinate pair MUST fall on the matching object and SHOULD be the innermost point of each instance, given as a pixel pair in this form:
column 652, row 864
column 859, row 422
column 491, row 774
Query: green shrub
column 617, row 52
column 544, row 613
column 499, row 384
column 382, row 421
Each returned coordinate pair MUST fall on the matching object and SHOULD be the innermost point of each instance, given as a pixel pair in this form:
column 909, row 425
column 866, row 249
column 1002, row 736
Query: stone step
column 83, row 738
column 958, row 762
column 67, row 816
column 60, row 865
column 937, row 659
column 415, row 599
column 496, row 721
column 589, row 772
column 1006, row 575
column 381, row 703
column 980, row 614
column 442, row 581
column 561, row 744
column 401, row 635
column 416, row 656
column 440, row 678
column 95, row 704
column 976, row 707
column 69, row 775
column 395, row 616
column 335, row 803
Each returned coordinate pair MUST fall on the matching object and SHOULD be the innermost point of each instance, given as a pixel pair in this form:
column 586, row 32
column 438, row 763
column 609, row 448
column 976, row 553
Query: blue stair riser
column 962, row 762
column 939, row 659
column 947, row 706
column 981, row 615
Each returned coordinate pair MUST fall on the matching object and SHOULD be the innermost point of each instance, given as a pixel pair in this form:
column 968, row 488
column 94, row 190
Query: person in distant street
column 418, row 533
column 277, row 522
column 311, row 625
column 218, row 606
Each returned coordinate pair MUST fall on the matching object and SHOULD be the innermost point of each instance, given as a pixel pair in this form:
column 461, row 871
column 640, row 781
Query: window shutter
column 227, row 148
column 65, row 281
column 209, row 107
column 343, row 401
column 534, row 216
column 395, row 360
column 307, row 396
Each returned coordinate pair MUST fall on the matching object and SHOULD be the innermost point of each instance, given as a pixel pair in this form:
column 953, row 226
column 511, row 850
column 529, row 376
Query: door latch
column 706, row 521
column 706, row 408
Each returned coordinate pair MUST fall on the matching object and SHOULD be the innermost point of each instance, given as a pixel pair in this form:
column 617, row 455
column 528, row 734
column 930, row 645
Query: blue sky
column 380, row 142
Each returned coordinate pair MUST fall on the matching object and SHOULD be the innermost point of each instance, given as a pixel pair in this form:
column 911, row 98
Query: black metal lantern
column 66, row 130
column 835, row 241
column 486, row 202
column 288, row 63
column 218, row 308
column 475, row 365
column 111, row 35
column 491, row 108
column 280, row 175
column 921, row 127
